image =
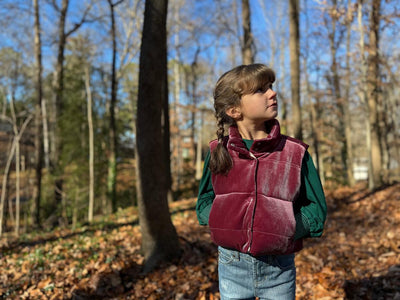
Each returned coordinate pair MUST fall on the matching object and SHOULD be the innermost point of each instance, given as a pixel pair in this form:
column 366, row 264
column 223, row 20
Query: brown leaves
column 357, row 258
column 360, row 244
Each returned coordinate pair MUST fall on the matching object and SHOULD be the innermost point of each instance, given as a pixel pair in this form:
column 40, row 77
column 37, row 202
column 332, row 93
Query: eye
column 265, row 88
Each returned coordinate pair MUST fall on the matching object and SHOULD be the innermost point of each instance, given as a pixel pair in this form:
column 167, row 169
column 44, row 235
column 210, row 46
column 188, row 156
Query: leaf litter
column 358, row 257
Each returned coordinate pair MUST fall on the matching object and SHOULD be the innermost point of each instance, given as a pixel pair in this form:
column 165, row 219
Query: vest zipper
column 255, row 202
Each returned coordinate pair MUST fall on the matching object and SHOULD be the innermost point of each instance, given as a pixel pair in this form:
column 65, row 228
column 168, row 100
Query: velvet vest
column 253, row 207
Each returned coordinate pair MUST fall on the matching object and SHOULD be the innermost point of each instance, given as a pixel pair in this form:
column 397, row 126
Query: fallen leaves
column 357, row 257
column 360, row 245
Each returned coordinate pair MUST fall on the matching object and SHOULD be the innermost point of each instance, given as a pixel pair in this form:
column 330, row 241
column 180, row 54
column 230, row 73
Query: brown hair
column 230, row 87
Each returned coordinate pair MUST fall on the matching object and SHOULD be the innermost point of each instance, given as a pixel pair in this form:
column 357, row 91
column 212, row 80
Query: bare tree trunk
column 91, row 143
column 373, row 94
column 17, row 187
column 193, row 96
column 112, row 155
column 165, row 123
column 46, row 139
column 393, row 123
column 346, row 100
column 105, row 204
column 374, row 178
column 199, row 146
column 363, row 88
column 294, row 46
column 336, row 91
column 4, row 184
column 247, row 53
column 59, row 88
column 178, row 157
column 283, row 98
column 313, row 113
column 317, row 131
column 159, row 237
column 17, row 167
column 176, row 139
column 38, row 120
column 233, row 54
column 7, row 169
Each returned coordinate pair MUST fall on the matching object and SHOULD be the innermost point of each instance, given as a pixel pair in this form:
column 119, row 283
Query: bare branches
column 82, row 20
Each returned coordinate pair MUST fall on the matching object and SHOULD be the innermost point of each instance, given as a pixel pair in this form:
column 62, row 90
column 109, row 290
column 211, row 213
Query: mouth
column 272, row 105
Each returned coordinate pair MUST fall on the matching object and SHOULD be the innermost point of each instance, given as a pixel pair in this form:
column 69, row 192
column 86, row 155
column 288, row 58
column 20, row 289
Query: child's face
column 260, row 106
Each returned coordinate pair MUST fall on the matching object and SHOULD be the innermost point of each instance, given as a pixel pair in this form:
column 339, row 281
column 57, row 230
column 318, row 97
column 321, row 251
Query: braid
column 220, row 129
column 220, row 160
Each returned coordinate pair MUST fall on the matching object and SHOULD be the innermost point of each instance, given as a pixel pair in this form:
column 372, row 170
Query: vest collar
column 260, row 146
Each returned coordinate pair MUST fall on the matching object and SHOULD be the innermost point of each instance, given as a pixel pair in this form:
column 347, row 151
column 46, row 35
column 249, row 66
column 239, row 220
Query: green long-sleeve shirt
column 310, row 209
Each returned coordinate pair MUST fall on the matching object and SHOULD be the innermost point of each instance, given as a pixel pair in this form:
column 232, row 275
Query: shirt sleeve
column 311, row 207
column 206, row 194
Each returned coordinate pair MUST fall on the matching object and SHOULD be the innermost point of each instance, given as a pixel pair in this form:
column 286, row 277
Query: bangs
column 253, row 78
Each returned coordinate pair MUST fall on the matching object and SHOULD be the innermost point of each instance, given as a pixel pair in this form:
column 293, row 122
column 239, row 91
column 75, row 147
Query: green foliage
column 75, row 135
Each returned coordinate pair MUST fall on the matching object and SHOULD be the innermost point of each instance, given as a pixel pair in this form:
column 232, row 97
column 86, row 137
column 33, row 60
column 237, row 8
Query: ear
column 234, row 112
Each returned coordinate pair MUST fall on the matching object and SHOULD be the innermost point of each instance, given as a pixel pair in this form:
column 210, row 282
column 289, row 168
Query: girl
column 260, row 193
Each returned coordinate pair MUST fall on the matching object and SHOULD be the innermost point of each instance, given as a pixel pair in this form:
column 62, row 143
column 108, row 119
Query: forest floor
column 358, row 256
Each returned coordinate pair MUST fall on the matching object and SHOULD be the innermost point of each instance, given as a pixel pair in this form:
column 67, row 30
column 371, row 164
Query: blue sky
column 18, row 34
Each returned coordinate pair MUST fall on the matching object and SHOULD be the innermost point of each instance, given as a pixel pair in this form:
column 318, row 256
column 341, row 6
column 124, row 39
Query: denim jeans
column 242, row 276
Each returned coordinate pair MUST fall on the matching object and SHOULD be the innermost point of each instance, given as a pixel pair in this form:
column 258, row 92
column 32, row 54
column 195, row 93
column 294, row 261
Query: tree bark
column 247, row 53
column 38, row 119
column 192, row 81
column 17, row 166
column 363, row 87
column 112, row 133
column 294, row 46
column 199, row 169
column 176, row 139
column 373, row 94
column 166, row 140
column 336, row 90
column 159, row 237
column 7, row 169
column 346, row 100
column 282, row 96
column 46, row 141
column 17, row 186
column 4, row 184
column 91, row 143
column 58, row 105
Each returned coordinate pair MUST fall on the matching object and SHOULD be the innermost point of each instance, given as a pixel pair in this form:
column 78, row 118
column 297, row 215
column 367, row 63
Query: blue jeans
column 242, row 276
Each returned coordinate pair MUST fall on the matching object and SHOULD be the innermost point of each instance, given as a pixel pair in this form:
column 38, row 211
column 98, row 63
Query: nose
column 271, row 93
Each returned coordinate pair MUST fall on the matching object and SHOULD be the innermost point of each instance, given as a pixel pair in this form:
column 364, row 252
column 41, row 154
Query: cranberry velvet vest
column 253, row 207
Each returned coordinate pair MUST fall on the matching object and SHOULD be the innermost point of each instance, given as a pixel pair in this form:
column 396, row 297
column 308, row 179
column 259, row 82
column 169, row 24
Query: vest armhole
column 304, row 145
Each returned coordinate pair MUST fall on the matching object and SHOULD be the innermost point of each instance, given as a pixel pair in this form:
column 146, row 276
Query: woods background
column 69, row 88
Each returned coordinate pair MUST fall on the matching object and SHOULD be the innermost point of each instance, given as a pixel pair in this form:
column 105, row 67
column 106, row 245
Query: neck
column 252, row 131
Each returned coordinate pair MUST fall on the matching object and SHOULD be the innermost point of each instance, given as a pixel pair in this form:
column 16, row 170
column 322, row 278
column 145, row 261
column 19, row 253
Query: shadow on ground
column 375, row 288
column 163, row 283
column 15, row 245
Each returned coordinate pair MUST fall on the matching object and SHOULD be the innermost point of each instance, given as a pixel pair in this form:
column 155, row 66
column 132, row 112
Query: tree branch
column 83, row 20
